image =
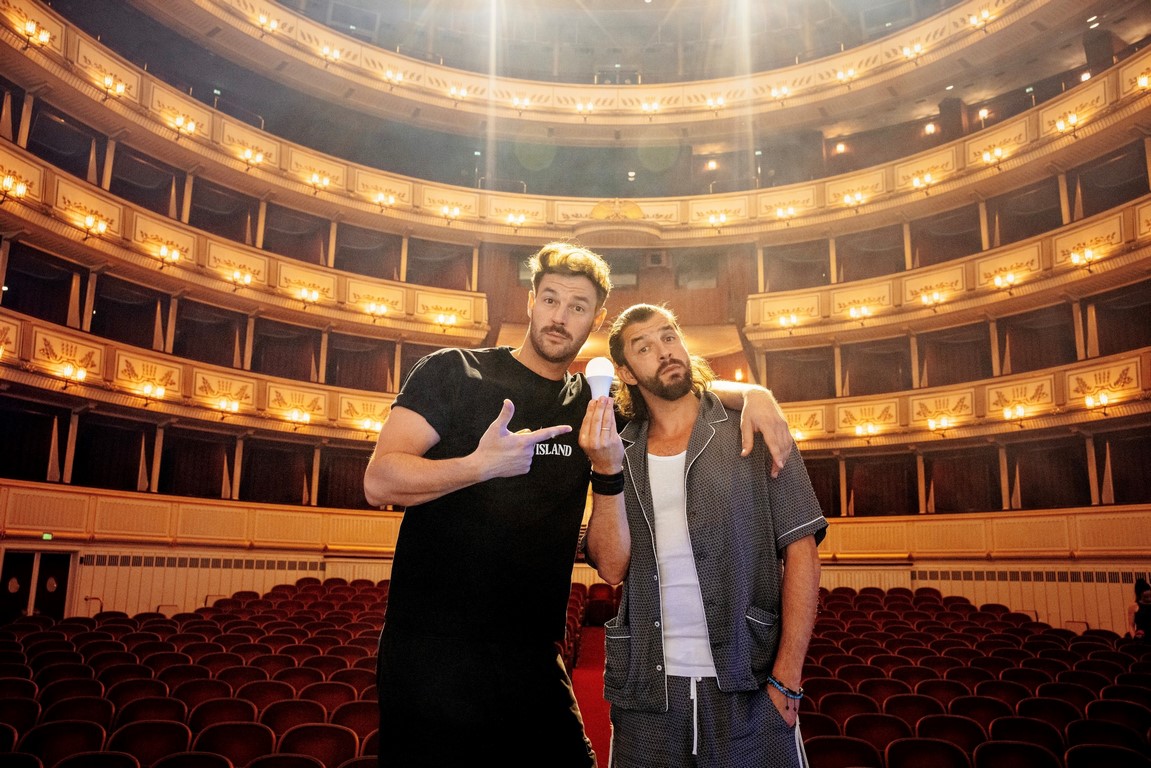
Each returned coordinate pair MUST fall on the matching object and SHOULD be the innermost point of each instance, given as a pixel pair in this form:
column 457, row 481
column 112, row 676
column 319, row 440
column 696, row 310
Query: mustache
column 557, row 329
column 670, row 363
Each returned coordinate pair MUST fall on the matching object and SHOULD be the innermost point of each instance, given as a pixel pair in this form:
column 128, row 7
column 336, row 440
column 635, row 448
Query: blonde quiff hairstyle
column 628, row 398
column 568, row 259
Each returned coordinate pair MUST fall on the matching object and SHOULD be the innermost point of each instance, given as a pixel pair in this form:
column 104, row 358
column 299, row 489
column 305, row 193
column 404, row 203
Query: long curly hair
column 628, row 398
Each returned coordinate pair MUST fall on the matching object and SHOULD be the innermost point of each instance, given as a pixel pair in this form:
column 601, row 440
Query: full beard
column 565, row 353
column 673, row 389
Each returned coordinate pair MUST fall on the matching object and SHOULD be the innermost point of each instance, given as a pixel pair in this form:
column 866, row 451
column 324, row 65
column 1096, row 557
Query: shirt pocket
column 617, row 653
column 763, row 630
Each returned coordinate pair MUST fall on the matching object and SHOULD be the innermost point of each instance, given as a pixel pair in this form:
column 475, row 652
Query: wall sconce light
column 929, row 129
column 1097, row 402
column 299, row 418
column 1143, row 81
column 840, row 148
column 251, row 157
column 994, row 155
column 845, row 76
column 371, row 426
column 267, row 25
column 912, row 52
column 13, row 187
column 319, row 182
column 979, row 20
column 94, row 225
column 34, row 34
column 377, row 311
column 1006, row 282
column 584, row 109
column 866, row 430
column 112, row 87
column 853, row 200
column 785, row 214
column 184, row 125
column 521, row 104
column 1014, row 414
column 923, row 182
column 516, row 220
column 73, row 374
column 450, row 213
column 984, row 113
column 227, row 406
column 240, row 278
column 393, row 78
column 939, row 426
column 309, row 296
column 458, row 93
column 933, row 300
column 788, row 322
column 1067, row 123
column 716, row 221
column 445, row 321
column 385, row 201
column 715, row 104
column 168, row 256
column 797, row 435
column 780, row 93
column 1084, row 259
column 329, row 55
column 152, row 392
column 650, row 108
column 860, row 313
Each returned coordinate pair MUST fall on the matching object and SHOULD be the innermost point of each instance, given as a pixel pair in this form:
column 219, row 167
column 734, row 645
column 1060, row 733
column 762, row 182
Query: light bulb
column 599, row 372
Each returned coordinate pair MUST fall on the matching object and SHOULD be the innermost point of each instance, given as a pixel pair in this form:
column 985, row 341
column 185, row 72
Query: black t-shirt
column 496, row 556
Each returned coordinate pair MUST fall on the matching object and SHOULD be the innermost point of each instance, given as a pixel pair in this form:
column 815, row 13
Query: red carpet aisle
column 587, row 680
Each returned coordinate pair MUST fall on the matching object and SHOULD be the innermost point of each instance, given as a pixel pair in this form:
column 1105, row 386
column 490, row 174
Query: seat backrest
column 99, row 760
column 916, row 752
column 842, row 752
column 1135, row 716
column 912, row 706
column 149, row 740
column 1057, row 712
column 192, row 759
column 281, row 716
column 239, row 742
column 1013, row 754
column 843, row 704
column 363, row 717
column 94, row 708
column 1029, row 729
column 152, row 708
column 331, row 744
column 876, row 728
column 52, row 742
column 981, row 709
column 1110, row 755
column 222, row 710
column 961, row 731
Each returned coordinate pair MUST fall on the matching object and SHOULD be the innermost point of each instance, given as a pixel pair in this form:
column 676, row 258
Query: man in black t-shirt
column 481, row 448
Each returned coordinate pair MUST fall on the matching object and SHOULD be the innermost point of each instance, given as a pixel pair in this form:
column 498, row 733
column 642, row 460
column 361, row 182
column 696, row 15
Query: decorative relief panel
column 361, row 412
column 284, row 399
column 372, row 531
column 1143, row 220
column 873, row 539
column 236, row 265
column 881, row 414
column 20, row 13
column 1100, row 238
column 805, row 421
column 956, row 406
column 84, row 209
column 785, row 202
column 865, row 300
column 214, row 388
column 858, row 188
column 183, row 114
column 262, row 149
column 147, row 376
column 286, row 528
column 1008, row 138
column 295, row 280
column 1031, row 535
column 363, row 295
column 9, row 340
column 1102, row 534
column 1033, row 394
column 949, row 537
column 116, row 79
column 1068, row 112
column 926, row 170
column 1117, row 380
column 22, row 172
column 571, row 211
column 320, row 171
column 452, row 203
column 441, row 308
column 1135, row 73
column 158, row 238
column 716, row 212
column 947, row 283
column 63, row 355
column 382, row 190
column 789, row 311
column 517, row 211
column 1019, row 264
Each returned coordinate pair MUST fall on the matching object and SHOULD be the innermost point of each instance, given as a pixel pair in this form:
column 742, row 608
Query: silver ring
column 603, row 428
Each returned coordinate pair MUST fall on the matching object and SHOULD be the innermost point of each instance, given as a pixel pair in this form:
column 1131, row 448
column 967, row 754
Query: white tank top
column 686, row 649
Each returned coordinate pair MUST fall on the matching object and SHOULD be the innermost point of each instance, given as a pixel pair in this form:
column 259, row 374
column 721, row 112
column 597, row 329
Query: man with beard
column 479, row 448
column 719, row 564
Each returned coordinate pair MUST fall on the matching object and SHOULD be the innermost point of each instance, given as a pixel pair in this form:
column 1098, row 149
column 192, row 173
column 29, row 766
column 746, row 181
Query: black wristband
column 607, row 485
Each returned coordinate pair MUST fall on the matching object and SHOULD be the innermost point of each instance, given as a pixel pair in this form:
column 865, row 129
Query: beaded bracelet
column 607, row 485
column 788, row 693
